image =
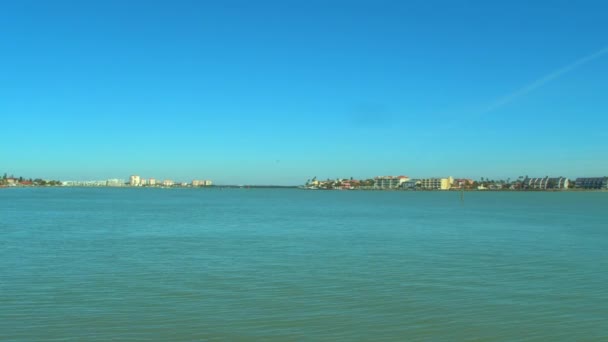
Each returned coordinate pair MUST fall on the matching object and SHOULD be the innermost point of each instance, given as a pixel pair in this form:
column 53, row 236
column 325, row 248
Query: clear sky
column 276, row 92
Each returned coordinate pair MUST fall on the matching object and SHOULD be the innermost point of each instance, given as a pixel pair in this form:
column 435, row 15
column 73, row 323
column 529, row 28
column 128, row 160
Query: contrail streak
column 544, row 80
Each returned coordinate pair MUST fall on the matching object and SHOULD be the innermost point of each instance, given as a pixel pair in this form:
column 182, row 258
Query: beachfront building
column 152, row 182
column 462, row 183
column 559, row 183
column 168, row 182
column 389, row 182
column 535, row 183
column 134, row 180
column 410, row 184
column 592, row 183
column 143, row 182
column 546, row 183
column 436, row 183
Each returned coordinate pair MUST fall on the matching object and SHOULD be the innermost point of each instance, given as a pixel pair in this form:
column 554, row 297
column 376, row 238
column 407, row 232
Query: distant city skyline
column 137, row 180
column 273, row 92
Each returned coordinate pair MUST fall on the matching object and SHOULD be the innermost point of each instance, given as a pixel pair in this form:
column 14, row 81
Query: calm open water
column 190, row 264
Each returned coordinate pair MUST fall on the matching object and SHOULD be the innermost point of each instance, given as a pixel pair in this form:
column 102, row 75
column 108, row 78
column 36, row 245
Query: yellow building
column 437, row 183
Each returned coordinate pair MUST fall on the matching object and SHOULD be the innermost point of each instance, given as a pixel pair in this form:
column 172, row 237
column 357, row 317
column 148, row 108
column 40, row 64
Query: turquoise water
column 285, row 265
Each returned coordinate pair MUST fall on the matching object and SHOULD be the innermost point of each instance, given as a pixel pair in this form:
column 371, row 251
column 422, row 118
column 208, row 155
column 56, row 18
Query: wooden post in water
column 462, row 195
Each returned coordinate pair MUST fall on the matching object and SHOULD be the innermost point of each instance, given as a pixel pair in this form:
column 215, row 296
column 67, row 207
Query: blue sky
column 259, row 92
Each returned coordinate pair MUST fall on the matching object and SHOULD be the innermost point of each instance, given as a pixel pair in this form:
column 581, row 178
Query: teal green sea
column 80, row 264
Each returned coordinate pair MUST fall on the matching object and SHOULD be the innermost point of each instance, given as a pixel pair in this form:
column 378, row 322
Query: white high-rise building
column 135, row 180
column 152, row 181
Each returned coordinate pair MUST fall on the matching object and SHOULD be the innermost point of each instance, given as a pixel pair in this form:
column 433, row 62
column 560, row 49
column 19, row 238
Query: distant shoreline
column 287, row 187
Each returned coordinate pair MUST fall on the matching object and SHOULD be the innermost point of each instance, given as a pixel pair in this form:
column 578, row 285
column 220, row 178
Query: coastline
column 292, row 187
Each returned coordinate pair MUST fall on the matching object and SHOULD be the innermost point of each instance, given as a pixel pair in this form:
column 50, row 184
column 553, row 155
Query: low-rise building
column 592, row 183
column 410, row 184
column 152, row 181
column 389, row 182
column 346, row 185
column 436, row 183
column 463, row 183
column 168, row 182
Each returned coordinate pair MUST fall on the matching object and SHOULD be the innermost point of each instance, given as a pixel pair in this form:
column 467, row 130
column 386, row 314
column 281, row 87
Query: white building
column 390, row 182
column 152, row 181
column 135, row 180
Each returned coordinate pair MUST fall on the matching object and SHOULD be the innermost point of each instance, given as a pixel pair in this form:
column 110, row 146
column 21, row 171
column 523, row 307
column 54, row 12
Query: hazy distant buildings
column 115, row 182
column 84, row 183
column 592, row 183
column 200, row 182
column 134, row 181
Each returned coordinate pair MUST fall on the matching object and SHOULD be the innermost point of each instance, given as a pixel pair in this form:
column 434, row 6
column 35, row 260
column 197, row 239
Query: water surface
column 237, row 264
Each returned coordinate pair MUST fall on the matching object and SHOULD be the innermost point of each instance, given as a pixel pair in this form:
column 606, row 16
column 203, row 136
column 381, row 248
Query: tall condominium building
column 151, row 181
column 592, row 183
column 389, row 182
column 135, row 180
column 143, row 182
